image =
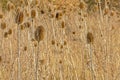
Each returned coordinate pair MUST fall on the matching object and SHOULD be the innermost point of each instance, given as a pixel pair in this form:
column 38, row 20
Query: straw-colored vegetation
column 59, row 40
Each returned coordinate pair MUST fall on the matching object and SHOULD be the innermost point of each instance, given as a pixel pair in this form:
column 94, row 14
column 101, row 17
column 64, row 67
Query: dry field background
column 59, row 39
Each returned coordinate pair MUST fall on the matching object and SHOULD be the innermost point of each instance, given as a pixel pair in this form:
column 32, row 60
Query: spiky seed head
column 82, row 5
column 1, row 16
column 27, row 24
column 106, row 11
column 10, row 31
column 53, row 42
column 5, row 35
column 89, row 37
column 39, row 33
column 112, row 13
column 33, row 13
column 19, row 17
column 3, row 25
column 63, row 24
column 10, row 6
column 22, row 27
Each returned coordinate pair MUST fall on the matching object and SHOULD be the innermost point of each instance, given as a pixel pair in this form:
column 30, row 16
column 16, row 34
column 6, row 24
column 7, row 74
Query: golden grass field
column 59, row 40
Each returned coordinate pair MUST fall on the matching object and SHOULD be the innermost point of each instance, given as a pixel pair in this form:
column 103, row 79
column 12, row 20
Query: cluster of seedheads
column 25, row 25
column 9, row 32
column 59, row 45
column 3, row 27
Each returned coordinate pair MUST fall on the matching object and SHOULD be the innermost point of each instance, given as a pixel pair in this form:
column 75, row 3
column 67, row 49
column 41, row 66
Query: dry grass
column 59, row 40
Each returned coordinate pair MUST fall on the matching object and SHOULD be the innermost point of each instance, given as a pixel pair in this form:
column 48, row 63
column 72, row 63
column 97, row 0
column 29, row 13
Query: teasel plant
column 19, row 20
column 89, row 40
column 39, row 36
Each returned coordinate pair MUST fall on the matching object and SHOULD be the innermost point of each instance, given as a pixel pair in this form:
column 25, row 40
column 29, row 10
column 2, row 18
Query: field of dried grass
column 59, row 40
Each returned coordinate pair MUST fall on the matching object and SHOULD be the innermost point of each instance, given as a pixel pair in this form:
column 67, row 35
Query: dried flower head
column 39, row 33
column 10, row 6
column 106, row 11
column 27, row 24
column 10, row 31
column 1, row 16
column 5, row 35
column 25, row 48
column 58, row 15
column 89, row 37
column 82, row 5
column 53, row 42
column 22, row 27
column 33, row 13
column 65, row 42
column 63, row 24
column 42, row 12
column 3, row 25
column 19, row 17
column 42, row 61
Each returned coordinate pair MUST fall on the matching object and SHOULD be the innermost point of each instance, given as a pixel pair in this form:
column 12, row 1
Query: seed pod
column 39, row 33
column 33, row 13
column 3, row 25
column 19, row 17
column 89, row 37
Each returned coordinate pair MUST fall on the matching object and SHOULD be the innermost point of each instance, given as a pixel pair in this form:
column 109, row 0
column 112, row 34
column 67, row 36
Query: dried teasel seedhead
column 106, row 11
column 1, row 16
column 58, row 15
column 27, row 24
column 112, row 13
column 5, row 35
column 90, row 37
column 65, row 43
column 3, row 25
column 39, row 33
column 33, row 13
column 82, row 5
column 25, row 48
column 10, row 6
column 19, row 17
column 53, row 42
column 42, row 11
column 10, row 31
column 42, row 61
column 22, row 27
